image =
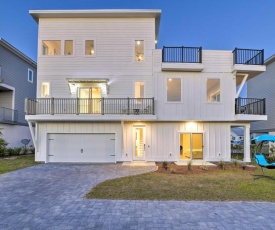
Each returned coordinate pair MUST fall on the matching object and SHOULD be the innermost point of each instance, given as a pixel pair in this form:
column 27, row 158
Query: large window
column 45, row 89
column 68, row 47
column 30, row 75
column 139, row 50
column 213, row 90
column 139, row 89
column 174, row 90
column 90, row 47
column 51, row 47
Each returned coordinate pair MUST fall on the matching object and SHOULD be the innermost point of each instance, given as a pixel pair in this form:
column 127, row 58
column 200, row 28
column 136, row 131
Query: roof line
column 17, row 52
column 270, row 59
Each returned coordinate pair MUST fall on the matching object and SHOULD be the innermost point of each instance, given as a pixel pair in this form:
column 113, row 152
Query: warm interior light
column 170, row 79
column 138, row 43
column 92, row 51
column 156, row 41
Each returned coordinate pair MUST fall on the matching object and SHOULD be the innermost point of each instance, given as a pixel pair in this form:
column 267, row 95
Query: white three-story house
column 105, row 93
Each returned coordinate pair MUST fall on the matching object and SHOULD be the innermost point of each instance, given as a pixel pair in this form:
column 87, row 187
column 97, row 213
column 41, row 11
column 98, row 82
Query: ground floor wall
column 13, row 134
column 161, row 140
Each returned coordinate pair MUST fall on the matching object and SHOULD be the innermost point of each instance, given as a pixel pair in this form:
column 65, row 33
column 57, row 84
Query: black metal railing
column 101, row 106
column 182, row 54
column 8, row 115
column 248, row 56
column 250, row 106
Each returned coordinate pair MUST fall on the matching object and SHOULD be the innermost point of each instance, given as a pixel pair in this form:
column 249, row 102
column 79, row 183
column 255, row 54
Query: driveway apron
column 51, row 196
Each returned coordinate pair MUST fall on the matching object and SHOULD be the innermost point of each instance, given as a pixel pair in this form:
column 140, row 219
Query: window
column 51, row 47
column 139, row 89
column 30, row 75
column 213, row 90
column 139, row 50
column 90, row 47
column 45, row 89
column 174, row 89
column 68, row 47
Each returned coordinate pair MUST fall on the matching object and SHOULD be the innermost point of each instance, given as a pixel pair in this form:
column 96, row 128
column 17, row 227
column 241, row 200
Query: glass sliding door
column 191, row 146
column 90, row 100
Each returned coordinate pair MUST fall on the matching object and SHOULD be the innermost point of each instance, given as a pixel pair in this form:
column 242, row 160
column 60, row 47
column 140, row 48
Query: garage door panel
column 81, row 148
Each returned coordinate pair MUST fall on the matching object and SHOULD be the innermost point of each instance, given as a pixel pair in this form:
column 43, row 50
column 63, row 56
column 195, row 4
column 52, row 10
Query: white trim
column 13, row 93
column 40, row 49
column 144, row 143
column 203, row 141
column 134, row 50
column 49, row 89
column 134, row 91
column 242, row 84
column 84, row 47
column 30, row 70
column 181, row 91
column 63, row 46
column 32, row 134
column 214, row 102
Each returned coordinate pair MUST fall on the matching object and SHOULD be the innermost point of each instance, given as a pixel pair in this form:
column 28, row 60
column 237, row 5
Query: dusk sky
column 212, row 24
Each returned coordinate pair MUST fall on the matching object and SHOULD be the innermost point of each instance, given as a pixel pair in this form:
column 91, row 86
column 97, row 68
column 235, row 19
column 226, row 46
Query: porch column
column 247, row 143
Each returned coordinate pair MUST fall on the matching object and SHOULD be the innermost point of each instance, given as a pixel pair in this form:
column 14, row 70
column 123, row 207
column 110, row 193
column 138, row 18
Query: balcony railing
column 101, row 106
column 248, row 56
column 8, row 115
column 250, row 106
column 182, row 54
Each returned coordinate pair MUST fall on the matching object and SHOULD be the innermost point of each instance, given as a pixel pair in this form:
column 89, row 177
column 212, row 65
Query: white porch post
column 247, row 143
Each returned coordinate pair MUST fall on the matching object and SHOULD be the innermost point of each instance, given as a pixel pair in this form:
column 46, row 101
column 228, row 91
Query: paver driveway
column 50, row 196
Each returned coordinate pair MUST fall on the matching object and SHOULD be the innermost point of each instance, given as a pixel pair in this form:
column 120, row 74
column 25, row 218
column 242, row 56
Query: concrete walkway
column 50, row 196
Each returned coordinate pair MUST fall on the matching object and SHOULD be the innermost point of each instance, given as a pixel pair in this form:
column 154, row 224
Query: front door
column 90, row 100
column 191, row 146
column 139, row 143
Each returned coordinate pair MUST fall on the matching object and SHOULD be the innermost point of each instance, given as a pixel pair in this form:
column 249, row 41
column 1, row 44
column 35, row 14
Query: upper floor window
column 45, row 89
column 139, row 50
column 30, row 75
column 174, row 90
column 213, row 90
column 90, row 47
column 69, row 47
column 51, row 47
column 139, row 89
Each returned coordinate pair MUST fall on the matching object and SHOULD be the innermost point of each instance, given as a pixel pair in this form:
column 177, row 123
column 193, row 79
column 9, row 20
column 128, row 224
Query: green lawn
column 228, row 185
column 18, row 162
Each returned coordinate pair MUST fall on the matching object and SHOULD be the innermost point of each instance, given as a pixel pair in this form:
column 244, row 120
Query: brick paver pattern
column 51, row 196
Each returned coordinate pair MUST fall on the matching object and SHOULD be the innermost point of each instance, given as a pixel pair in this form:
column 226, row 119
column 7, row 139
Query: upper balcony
column 90, row 108
column 182, row 59
column 248, row 61
column 250, row 109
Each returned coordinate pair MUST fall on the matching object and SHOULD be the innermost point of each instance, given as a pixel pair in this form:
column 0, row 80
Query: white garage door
column 81, row 147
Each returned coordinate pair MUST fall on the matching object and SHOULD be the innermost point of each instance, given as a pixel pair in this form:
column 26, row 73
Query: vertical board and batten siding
column 15, row 74
column 263, row 86
column 162, row 140
column 43, row 129
column 194, row 105
column 114, row 54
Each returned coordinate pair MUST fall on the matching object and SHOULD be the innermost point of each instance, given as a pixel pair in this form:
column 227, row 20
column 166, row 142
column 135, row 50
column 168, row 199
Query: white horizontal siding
column 114, row 47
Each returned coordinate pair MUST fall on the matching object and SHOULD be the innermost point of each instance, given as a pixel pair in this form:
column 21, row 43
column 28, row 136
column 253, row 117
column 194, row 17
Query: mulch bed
column 195, row 169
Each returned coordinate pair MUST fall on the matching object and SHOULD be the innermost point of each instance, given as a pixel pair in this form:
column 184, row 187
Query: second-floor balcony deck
column 90, row 106
column 250, row 106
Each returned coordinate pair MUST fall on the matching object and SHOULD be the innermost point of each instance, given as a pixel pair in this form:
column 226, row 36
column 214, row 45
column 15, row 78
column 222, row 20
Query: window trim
column 134, row 91
column 166, row 92
column 217, row 93
column 134, row 50
column 63, row 47
column 49, row 89
column 30, row 70
column 84, row 47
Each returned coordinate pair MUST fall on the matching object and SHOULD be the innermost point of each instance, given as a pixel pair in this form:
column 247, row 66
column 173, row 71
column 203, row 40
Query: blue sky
column 212, row 24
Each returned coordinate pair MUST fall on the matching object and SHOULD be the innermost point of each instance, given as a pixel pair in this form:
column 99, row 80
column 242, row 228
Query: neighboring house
column 237, row 135
column 105, row 93
column 264, row 86
column 17, row 82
